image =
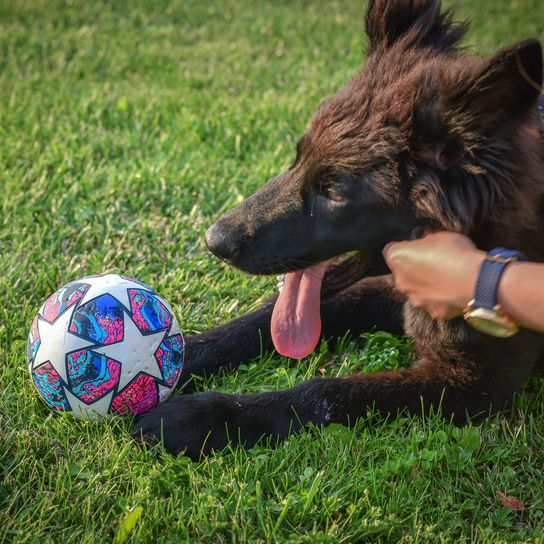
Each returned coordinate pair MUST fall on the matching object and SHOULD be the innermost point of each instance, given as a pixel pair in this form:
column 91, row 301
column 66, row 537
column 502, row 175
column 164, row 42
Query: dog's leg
column 227, row 346
column 197, row 424
column 368, row 304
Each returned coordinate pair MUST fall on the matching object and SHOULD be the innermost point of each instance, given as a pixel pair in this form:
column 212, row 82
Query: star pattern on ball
column 92, row 411
column 115, row 347
column 110, row 284
column 143, row 347
column 174, row 329
column 55, row 352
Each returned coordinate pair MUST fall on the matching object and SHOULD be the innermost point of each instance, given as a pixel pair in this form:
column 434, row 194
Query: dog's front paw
column 191, row 424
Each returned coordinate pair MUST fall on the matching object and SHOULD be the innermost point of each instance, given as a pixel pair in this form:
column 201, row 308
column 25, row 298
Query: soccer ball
column 105, row 344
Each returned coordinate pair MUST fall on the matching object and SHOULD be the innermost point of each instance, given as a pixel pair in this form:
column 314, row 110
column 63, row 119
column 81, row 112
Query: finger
column 388, row 248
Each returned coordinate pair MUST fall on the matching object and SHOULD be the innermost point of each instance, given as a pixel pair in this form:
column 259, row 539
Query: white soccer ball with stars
column 105, row 344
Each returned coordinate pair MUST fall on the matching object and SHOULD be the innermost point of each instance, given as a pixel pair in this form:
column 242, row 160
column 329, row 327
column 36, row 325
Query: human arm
column 439, row 273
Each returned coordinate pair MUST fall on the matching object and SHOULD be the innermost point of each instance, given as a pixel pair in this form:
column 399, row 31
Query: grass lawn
column 125, row 129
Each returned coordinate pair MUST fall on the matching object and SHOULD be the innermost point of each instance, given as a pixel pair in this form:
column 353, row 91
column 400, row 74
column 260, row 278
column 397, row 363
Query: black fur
column 424, row 137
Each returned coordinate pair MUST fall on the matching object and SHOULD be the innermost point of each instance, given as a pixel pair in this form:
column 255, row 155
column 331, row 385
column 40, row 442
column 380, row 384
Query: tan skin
column 439, row 273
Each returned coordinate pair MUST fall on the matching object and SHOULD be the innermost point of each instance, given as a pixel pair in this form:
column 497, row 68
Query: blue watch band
column 491, row 271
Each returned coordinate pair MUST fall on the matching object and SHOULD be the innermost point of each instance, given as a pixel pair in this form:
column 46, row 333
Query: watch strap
column 492, row 268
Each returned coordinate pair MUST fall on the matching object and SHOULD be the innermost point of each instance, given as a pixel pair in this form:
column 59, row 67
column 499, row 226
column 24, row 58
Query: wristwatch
column 483, row 313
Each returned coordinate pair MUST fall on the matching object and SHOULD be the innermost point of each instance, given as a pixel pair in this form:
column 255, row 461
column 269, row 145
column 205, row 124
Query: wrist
column 484, row 312
column 510, row 278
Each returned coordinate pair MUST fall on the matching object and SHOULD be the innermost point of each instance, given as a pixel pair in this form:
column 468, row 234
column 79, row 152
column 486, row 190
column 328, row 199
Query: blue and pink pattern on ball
column 60, row 301
column 33, row 342
column 138, row 396
column 92, row 375
column 99, row 320
column 148, row 312
column 169, row 355
column 49, row 385
column 98, row 315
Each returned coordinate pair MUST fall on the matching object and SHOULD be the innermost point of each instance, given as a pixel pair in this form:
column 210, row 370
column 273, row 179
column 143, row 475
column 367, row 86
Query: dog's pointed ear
column 509, row 82
column 419, row 23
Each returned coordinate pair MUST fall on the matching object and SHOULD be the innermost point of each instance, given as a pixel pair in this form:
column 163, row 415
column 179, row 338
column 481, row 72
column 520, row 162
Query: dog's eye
column 335, row 196
column 330, row 189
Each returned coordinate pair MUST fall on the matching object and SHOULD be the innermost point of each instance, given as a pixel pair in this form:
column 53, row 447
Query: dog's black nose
column 220, row 242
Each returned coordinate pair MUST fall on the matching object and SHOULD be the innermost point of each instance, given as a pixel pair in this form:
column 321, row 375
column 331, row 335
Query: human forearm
column 521, row 294
column 439, row 273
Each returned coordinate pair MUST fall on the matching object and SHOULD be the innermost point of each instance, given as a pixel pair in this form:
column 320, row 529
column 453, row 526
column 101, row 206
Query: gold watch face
column 491, row 322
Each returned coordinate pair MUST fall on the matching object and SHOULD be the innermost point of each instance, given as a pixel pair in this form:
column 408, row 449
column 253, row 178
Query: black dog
column 423, row 138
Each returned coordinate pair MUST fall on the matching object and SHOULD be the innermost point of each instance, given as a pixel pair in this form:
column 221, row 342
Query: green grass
column 125, row 128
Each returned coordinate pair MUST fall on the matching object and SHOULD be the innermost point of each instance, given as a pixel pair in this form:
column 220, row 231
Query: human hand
column 437, row 273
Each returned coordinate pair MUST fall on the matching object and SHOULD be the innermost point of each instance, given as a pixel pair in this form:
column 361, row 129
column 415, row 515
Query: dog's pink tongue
column 296, row 319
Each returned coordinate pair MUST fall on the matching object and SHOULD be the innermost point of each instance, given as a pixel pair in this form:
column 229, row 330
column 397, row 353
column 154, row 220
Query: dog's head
column 424, row 137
